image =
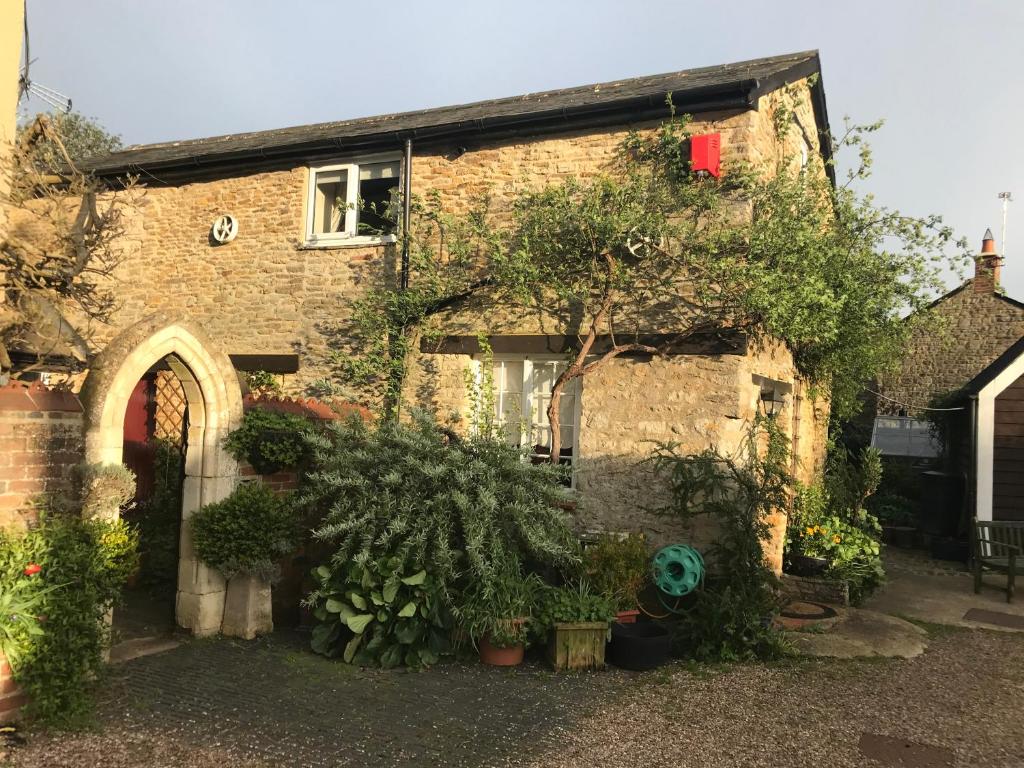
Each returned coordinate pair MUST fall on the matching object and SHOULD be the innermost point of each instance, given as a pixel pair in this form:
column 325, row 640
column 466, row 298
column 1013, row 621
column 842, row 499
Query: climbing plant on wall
column 777, row 250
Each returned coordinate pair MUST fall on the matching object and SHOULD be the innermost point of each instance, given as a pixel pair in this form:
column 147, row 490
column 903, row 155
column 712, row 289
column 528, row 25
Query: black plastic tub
column 639, row 646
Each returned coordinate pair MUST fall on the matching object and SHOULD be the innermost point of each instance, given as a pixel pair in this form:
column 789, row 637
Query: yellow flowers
column 836, row 538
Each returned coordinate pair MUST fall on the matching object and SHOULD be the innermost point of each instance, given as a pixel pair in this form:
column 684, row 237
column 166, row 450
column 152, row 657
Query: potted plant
column 242, row 537
column 270, row 441
column 575, row 620
column 495, row 615
column 618, row 567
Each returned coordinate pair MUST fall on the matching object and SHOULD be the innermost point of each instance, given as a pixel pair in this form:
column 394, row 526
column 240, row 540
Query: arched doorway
column 214, row 402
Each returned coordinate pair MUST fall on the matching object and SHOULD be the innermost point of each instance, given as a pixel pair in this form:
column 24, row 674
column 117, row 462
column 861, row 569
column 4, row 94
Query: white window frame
column 349, row 236
column 526, row 404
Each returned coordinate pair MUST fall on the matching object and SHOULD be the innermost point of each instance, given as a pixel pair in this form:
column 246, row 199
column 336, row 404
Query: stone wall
column 974, row 327
column 40, row 443
column 266, row 292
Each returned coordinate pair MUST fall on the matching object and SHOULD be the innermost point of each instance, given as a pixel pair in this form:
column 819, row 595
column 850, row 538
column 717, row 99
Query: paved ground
column 227, row 704
column 940, row 592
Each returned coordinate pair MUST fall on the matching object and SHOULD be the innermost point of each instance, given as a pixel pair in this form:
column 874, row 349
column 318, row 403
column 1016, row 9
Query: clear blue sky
column 944, row 74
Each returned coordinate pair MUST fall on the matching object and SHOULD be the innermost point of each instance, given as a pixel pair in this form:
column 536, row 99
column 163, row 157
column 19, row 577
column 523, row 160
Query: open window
column 521, row 396
column 354, row 203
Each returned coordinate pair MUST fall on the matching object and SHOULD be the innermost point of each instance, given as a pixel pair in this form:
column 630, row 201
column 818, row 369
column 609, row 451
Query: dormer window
column 353, row 203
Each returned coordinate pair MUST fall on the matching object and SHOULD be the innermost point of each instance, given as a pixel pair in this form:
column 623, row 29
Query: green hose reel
column 677, row 569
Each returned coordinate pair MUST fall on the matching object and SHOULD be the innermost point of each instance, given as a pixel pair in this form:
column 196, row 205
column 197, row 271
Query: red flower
column 32, row 569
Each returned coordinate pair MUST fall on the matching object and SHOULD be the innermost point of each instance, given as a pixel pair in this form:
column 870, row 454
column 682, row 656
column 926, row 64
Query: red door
column 138, row 435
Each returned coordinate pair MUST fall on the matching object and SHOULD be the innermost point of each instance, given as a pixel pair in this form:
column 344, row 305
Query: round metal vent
column 225, row 228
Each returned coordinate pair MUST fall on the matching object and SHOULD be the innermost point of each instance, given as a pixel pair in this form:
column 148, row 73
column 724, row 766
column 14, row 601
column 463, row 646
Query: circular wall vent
column 225, row 228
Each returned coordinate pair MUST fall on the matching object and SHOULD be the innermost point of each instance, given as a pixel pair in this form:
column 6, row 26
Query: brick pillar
column 40, row 443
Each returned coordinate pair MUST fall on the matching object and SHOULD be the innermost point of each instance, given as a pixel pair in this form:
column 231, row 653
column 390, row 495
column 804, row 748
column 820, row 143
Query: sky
column 943, row 74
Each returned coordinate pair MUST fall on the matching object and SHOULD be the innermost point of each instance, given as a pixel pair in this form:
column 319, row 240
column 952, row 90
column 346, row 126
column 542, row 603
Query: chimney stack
column 986, row 265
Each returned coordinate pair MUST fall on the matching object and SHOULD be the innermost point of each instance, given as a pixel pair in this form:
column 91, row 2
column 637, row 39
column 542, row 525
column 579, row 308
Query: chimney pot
column 986, row 265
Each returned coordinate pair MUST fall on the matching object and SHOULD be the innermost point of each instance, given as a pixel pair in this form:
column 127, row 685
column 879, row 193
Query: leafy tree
column 62, row 241
column 80, row 137
column 771, row 252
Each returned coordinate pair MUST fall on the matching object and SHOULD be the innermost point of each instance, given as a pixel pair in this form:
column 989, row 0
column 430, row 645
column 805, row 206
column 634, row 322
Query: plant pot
column 579, row 645
column 627, row 617
column 803, row 565
column 500, row 657
column 248, row 610
column 639, row 646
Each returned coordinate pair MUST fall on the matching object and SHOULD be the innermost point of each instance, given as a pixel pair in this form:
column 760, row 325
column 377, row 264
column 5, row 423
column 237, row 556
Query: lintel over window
column 354, row 203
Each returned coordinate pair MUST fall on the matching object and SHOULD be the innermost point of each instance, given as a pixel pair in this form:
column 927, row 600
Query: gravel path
column 225, row 704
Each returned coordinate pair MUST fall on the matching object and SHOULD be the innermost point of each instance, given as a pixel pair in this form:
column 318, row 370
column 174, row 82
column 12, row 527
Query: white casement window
column 522, row 393
column 353, row 203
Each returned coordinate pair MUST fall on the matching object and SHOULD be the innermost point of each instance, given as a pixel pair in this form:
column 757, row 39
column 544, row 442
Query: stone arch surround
column 215, row 408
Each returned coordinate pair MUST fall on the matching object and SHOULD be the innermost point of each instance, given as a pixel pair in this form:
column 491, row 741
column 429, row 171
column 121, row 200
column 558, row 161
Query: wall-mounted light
column 772, row 402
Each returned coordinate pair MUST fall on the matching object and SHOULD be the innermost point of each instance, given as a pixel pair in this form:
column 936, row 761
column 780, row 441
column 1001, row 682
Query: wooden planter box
column 578, row 645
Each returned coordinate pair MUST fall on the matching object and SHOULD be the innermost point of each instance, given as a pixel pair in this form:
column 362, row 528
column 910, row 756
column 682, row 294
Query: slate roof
column 737, row 85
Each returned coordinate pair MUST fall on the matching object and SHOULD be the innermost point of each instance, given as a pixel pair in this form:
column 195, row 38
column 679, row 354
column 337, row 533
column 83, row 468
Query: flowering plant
column 20, row 604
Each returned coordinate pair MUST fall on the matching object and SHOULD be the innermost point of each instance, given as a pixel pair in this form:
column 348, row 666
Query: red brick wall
column 40, row 443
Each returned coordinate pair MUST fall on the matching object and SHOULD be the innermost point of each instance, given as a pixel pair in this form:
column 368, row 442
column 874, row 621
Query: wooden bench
column 997, row 546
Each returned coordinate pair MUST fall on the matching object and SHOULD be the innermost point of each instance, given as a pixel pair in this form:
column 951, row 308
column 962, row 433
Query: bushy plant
column 501, row 612
column 618, row 567
column 468, row 512
column 729, row 618
column 375, row 613
column 847, row 539
column 269, row 440
column 247, row 532
column 570, row 604
column 60, row 579
column 103, row 489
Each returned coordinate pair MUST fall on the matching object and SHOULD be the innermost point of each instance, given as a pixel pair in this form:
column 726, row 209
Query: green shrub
column 372, row 614
column 60, row 634
column 570, row 604
column 730, row 617
column 247, row 532
column 502, row 612
column 467, row 512
column 618, row 567
column 847, row 539
column 268, row 440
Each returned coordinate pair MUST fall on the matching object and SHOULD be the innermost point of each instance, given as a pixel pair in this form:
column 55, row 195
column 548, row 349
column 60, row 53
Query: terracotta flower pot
column 626, row 617
column 500, row 657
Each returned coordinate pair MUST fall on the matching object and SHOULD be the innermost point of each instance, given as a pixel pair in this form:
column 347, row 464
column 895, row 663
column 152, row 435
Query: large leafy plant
column 460, row 509
column 375, row 614
column 247, row 532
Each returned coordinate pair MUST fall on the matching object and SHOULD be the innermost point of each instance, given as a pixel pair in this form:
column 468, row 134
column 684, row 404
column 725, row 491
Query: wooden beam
column 724, row 343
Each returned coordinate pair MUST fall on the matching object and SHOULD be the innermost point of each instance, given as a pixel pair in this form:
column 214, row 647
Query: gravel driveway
column 222, row 704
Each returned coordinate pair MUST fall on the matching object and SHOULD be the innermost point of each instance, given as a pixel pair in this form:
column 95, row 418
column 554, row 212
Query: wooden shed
column 996, row 397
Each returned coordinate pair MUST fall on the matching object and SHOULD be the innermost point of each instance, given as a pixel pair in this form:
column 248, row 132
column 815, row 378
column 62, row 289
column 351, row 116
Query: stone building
column 246, row 251
column 976, row 323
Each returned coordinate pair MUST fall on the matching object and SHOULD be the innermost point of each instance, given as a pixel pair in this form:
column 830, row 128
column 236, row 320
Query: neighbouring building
column 964, row 361
column 241, row 255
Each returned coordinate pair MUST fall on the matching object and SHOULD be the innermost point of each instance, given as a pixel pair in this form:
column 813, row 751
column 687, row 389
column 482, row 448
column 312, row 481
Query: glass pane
column 378, row 199
column 508, row 398
column 329, row 205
